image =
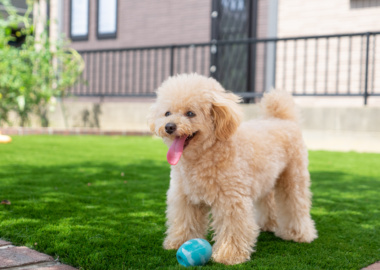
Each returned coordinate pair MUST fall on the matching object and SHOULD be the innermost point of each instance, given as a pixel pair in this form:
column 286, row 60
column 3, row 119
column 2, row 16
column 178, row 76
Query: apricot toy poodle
column 250, row 176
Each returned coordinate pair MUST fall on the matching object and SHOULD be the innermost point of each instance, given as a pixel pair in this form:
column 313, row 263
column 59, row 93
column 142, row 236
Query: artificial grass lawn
column 99, row 203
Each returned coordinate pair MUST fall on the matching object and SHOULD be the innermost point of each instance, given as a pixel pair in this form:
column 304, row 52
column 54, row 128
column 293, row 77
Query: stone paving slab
column 4, row 243
column 59, row 267
column 53, row 267
column 19, row 256
column 375, row 266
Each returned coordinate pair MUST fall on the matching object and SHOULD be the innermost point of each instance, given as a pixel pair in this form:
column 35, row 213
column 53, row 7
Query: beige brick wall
column 317, row 17
column 150, row 22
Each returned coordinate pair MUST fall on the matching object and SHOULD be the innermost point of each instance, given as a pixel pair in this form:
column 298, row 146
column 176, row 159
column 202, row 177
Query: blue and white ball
column 195, row 252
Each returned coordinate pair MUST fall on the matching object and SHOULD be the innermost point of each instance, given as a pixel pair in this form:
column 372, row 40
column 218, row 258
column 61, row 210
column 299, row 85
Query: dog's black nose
column 170, row 128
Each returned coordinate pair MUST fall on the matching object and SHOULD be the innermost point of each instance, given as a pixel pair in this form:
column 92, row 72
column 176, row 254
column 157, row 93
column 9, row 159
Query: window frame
column 106, row 35
column 81, row 37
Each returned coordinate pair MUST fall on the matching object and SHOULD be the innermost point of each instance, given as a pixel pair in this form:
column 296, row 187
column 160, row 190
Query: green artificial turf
column 99, row 203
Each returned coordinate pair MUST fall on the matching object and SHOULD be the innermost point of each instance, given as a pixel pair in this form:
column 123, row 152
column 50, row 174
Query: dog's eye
column 168, row 113
column 190, row 114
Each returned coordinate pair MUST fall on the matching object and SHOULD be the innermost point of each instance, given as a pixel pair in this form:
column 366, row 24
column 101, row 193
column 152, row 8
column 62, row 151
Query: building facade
column 142, row 23
column 154, row 23
column 161, row 24
column 131, row 46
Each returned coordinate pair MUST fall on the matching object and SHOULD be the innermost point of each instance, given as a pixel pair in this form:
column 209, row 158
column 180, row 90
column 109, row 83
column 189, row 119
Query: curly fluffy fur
column 251, row 176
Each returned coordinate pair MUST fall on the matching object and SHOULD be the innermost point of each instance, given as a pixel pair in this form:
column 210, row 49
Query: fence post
column 252, row 47
column 368, row 34
column 172, row 60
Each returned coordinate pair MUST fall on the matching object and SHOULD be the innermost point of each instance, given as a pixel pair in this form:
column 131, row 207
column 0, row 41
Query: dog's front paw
column 172, row 244
column 306, row 236
column 230, row 255
column 305, row 233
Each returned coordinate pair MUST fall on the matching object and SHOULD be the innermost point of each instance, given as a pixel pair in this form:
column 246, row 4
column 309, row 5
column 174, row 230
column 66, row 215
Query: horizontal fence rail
column 325, row 65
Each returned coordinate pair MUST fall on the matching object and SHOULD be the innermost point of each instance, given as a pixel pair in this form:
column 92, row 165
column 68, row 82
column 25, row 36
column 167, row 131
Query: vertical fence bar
column 141, row 81
column 178, row 65
column 155, row 69
column 126, row 80
column 81, row 91
column 106, row 90
column 120, row 72
column 148, row 67
column 100, row 63
column 93, row 75
column 361, row 65
column 194, row 59
column 265, row 44
column 368, row 35
column 274, row 64
column 304, row 67
column 316, row 66
column 187, row 62
column 203, row 64
column 87, row 72
column 337, row 67
column 163, row 62
column 133, row 75
column 373, row 63
column 327, row 65
column 252, row 67
column 113, row 83
column 349, row 66
column 172, row 60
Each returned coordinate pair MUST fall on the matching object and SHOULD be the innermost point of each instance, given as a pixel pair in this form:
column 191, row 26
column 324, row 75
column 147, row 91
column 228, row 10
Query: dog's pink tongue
column 175, row 150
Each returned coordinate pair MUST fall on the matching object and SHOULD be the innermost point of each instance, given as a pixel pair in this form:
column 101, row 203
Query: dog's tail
column 279, row 104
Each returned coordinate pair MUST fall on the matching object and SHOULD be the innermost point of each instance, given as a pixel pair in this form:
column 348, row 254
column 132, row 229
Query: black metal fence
column 328, row 65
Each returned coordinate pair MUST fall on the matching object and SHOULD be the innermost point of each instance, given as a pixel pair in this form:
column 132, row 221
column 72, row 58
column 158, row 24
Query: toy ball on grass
column 195, row 252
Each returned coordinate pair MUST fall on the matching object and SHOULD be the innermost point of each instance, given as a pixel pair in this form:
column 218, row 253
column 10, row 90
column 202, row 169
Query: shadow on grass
column 87, row 212
column 108, row 216
column 341, row 192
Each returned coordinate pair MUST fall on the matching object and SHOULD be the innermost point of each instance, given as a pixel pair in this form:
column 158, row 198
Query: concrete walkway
column 342, row 141
column 375, row 266
column 23, row 258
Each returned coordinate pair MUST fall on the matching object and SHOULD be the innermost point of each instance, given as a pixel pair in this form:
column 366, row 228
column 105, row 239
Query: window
column 356, row 4
column 79, row 18
column 107, row 19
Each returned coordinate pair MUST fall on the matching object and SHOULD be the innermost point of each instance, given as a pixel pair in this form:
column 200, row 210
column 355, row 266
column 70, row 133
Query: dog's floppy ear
column 226, row 114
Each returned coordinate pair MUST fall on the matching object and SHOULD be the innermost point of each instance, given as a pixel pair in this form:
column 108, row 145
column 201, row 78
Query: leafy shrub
column 34, row 73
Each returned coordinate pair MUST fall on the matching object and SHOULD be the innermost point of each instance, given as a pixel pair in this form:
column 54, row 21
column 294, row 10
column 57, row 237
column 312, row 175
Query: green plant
column 32, row 74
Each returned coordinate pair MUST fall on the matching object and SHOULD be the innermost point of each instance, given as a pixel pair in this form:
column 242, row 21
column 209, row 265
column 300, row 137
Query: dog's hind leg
column 293, row 202
column 266, row 212
column 185, row 220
